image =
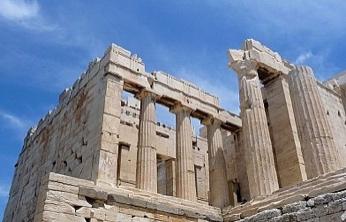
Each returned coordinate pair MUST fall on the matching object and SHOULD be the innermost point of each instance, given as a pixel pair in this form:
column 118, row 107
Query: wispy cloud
column 15, row 123
column 4, row 190
column 18, row 10
column 24, row 13
column 303, row 57
column 319, row 61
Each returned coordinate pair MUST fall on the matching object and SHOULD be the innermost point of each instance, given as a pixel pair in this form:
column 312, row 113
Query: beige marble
column 146, row 161
column 112, row 160
column 259, row 157
column 317, row 140
column 219, row 195
column 185, row 172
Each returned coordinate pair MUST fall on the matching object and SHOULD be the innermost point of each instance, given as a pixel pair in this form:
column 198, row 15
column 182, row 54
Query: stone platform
column 319, row 199
column 64, row 198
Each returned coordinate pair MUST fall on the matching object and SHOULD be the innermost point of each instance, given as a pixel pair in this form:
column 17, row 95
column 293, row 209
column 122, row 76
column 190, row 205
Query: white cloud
column 13, row 121
column 25, row 13
column 18, row 10
column 319, row 62
column 4, row 190
column 17, row 125
column 303, row 57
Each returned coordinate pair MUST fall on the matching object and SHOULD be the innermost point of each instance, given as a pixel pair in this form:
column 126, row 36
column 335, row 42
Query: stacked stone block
column 323, row 208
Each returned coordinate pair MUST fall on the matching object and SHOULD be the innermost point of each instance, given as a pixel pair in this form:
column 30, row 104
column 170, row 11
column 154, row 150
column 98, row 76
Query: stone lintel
column 229, row 120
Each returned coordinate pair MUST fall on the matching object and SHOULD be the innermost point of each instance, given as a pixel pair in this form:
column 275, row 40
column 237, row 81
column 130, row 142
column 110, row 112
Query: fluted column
column 146, row 178
column 259, row 156
column 218, row 186
column 318, row 146
column 185, row 175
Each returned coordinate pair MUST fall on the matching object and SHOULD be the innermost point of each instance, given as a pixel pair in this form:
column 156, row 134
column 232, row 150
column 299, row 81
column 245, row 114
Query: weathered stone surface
column 101, row 147
column 101, row 203
column 219, row 195
column 146, row 178
column 284, row 134
column 318, row 145
column 185, row 168
column 259, row 157
column 289, row 208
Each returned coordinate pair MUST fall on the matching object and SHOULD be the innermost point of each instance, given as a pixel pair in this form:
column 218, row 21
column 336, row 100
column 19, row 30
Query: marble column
column 185, row 175
column 146, row 177
column 318, row 146
column 259, row 158
column 218, row 186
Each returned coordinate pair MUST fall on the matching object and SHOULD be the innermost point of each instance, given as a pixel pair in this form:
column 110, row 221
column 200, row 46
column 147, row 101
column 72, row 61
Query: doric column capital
column 146, row 93
column 210, row 120
column 247, row 68
column 179, row 108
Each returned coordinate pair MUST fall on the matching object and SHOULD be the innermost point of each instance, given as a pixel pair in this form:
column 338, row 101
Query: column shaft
column 146, row 177
column 185, row 175
column 259, row 157
column 318, row 146
column 219, row 192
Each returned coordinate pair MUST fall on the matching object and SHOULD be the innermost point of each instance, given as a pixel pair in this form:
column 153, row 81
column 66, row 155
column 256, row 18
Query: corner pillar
column 283, row 129
column 105, row 158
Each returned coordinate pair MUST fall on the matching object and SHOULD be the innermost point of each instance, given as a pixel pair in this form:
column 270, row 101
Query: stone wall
column 319, row 199
column 323, row 208
column 64, row 141
column 336, row 116
column 66, row 199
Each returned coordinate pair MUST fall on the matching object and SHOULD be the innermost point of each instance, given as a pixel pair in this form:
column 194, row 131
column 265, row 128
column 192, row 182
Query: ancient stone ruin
column 99, row 157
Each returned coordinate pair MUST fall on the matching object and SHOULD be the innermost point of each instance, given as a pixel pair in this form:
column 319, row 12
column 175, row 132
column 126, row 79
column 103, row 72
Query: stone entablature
column 170, row 90
column 263, row 56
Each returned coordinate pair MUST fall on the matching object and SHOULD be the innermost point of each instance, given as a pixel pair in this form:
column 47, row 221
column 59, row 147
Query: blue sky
column 45, row 45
